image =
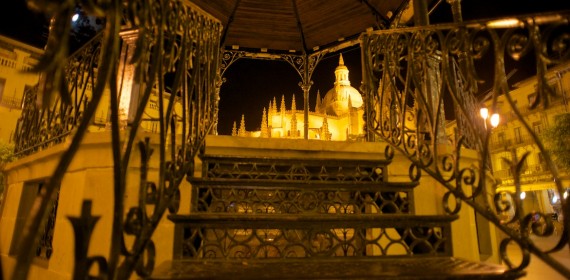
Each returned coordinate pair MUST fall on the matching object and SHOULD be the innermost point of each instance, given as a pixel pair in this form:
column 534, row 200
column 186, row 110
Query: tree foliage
column 83, row 29
column 557, row 139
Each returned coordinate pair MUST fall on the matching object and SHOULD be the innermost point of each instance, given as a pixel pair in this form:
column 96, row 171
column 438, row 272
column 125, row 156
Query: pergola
column 301, row 32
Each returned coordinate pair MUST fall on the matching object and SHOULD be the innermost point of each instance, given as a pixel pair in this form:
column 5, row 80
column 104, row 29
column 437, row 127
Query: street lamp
column 484, row 112
column 495, row 120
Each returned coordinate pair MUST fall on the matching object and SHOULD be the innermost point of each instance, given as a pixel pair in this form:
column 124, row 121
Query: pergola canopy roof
column 298, row 25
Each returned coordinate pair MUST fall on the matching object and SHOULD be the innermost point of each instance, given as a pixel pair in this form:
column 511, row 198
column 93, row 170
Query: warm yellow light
column 504, row 23
column 495, row 120
column 484, row 113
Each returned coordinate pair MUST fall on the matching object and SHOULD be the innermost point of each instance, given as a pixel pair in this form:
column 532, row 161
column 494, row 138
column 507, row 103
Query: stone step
column 295, row 197
column 428, row 267
column 284, row 236
column 277, row 170
column 268, row 183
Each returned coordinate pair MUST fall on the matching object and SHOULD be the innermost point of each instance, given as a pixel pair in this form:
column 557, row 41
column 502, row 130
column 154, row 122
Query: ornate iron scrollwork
column 407, row 73
column 173, row 38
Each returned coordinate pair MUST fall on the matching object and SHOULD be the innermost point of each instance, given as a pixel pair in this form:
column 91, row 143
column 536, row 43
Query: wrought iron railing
column 408, row 73
column 42, row 127
column 169, row 37
column 11, row 102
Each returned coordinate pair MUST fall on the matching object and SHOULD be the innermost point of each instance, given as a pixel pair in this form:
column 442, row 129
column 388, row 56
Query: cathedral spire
column 234, row 129
column 293, row 104
column 274, row 108
column 318, row 105
column 264, row 131
column 282, row 109
column 241, row 131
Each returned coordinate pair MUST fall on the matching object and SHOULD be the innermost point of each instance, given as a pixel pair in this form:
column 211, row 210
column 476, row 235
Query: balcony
column 11, row 102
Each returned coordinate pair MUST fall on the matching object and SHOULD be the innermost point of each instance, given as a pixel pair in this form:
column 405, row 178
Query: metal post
column 421, row 17
column 456, row 10
column 306, row 86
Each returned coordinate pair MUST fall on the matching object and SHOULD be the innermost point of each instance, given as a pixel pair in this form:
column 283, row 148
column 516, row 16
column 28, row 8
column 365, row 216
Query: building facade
column 16, row 62
column 510, row 140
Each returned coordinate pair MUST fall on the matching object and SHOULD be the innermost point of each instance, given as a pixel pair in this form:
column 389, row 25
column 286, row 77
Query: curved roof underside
column 299, row 25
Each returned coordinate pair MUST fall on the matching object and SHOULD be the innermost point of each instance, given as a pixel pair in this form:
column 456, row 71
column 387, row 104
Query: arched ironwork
column 408, row 75
column 407, row 71
column 173, row 40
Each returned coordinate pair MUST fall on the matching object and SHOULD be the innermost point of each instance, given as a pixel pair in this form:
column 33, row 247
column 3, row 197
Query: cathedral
column 337, row 116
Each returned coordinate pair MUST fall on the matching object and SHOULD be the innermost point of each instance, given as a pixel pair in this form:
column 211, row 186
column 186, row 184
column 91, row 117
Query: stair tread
column 348, row 185
column 417, row 267
column 341, row 218
column 308, row 157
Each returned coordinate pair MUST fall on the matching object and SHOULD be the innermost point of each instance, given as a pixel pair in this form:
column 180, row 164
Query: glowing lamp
column 495, row 120
column 484, row 113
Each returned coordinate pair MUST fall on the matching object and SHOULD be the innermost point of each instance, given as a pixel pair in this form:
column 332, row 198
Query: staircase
column 325, row 210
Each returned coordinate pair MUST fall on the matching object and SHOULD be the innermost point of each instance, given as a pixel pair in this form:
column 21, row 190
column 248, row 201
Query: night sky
column 251, row 84
column 20, row 23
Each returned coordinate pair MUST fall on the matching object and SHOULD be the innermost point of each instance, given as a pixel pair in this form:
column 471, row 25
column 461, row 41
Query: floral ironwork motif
column 270, row 237
column 299, row 200
column 174, row 40
column 349, row 172
column 409, row 72
column 50, row 124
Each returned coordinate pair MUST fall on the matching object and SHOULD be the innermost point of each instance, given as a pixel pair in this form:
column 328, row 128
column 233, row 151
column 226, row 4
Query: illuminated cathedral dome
column 336, row 101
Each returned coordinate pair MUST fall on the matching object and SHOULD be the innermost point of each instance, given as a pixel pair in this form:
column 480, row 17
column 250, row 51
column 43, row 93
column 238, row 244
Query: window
column 531, row 98
column 31, row 193
column 2, row 84
column 501, row 138
column 537, row 127
column 518, row 137
column 505, row 167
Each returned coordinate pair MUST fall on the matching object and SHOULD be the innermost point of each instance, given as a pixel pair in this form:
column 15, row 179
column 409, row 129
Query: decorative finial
column 242, row 131
column 340, row 60
column 293, row 104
